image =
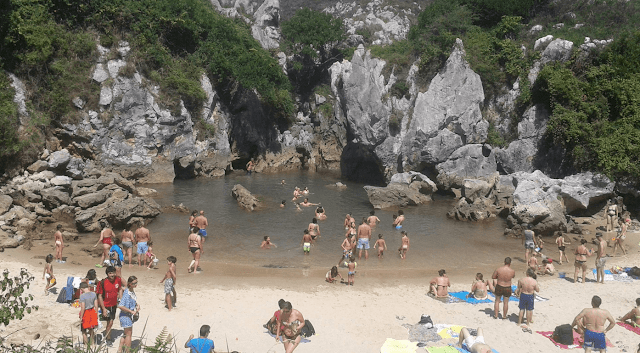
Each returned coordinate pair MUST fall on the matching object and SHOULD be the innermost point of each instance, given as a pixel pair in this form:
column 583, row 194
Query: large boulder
column 120, row 210
column 585, row 189
column 478, row 210
column 473, row 161
column 38, row 166
column 536, row 201
column 90, row 200
column 5, row 203
column 402, row 193
column 54, row 197
column 59, row 159
column 245, row 199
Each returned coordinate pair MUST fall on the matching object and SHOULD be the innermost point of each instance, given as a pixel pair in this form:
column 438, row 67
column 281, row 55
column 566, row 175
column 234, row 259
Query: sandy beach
column 236, row 302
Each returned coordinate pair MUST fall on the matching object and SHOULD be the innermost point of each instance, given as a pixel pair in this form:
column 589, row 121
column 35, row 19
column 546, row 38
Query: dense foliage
column 14, row 303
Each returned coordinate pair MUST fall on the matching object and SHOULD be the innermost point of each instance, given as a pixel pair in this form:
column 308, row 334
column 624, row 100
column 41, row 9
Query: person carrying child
column 48, row 274
column 169, row 283
column 88, row 314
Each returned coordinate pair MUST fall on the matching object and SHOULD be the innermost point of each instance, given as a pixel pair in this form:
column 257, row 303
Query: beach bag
column 635, row 271
column 62, row 297
column 307, row 330
column 563, row 334
column 426, row 321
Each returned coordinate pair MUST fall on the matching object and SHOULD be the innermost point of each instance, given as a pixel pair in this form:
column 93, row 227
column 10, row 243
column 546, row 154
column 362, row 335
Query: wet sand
column 237, row 300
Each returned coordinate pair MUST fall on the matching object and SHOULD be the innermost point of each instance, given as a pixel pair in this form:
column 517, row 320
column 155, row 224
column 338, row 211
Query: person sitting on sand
column 473, row 345
column 320, row 215
column 479, row 288
column 438, row 286
column 548, row 268
column 306, row 203
column 202, row 344
column 332, row 275
column 290, row 324
column 267, row 244
column 633, row 316
column 272, row 324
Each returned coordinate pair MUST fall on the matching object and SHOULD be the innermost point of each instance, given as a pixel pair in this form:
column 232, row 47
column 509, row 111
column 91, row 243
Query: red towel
column 630, row 327
column 577, row 339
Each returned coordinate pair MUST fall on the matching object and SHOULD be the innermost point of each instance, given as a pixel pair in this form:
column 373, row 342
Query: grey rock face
column 89, row 200
column 245, row 199
column 38, row 166
column 468, row 162
column 479, row 210
column 535, row 201
column 452, row 102
column 397, row 194
column 19, row 98
column 557, row 50
column 119, row 210
column 61, row 181
column 521, row 153
column 5, row 203
column 59, row 159
column 585, row 189
column 55, row 197
column 540, row 42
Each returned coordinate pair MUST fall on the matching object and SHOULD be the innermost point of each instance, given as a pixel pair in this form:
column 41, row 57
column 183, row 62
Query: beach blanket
column 513, row 298
column 464, row 296
column 398, row 346
column 422, row 334
column 619, row 277
column 577, row 340
column 448, row 331
column 462, row 350
column 631, row 328
column 447, row 349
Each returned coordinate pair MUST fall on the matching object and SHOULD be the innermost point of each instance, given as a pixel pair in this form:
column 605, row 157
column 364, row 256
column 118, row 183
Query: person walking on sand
column 47, row 274
column 373, row 220
column 364, row 237
column 194, row 243
column 404, row 245
column 590, row 324
column 600, row 258
column 620, row 237
column 397, row 222
column 105, row 238
column 562, row 245
column 306, row 242
column 503, row 276
column 202, row 224
column 88, row 314
column 438, row 286
column 527, row 287
column 290, row 324
column 581, row 260
column 127, row 243
column 611, row 213
column 170, row 297
column 142, row 238
column 202, row 344
column 633, row 316
column 109, row 292
column 381, row 245
column 129, row 309
column 471, row 344
column 528, row 242
column 59, row 243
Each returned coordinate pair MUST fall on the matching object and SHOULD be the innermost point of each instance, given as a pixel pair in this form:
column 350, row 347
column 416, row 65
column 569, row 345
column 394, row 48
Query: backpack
column 62, row 296
column 307, row 330
column 563, row 334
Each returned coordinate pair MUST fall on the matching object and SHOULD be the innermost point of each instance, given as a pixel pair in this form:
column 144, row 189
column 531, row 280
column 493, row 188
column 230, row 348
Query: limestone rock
column 585, row 189
column 106, row 95
column 535, row 201
column 38, row 166
column 7, row 242
column 473, row 189
column 146, row 192
column 5, row 203
column 121, row 209
column 59, row 159
column 100, row 74
column 245, row 199
column 542, row 41
column 89, row 200
column 468, row 162
column 520, row 154
column 61, row 181
column 400, row 194
column 54, row 197
column 557, row 50
column 479, row 210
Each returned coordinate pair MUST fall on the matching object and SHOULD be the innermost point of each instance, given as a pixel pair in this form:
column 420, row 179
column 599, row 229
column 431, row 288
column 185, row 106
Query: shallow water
column 235, row 235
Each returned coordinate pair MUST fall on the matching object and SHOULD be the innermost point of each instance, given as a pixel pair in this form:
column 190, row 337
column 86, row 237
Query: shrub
column 14, row 304
column 309, row 30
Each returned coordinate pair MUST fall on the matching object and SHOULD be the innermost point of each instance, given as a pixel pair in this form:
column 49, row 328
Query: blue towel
column 466, row 351
column 512, row 298
column 464, row 296
column 69, row 289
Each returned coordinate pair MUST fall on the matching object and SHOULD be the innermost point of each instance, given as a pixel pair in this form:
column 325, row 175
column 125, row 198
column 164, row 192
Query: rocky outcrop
column 407, row 189
column 469, row 161
column 478, row 210
column 245, row 199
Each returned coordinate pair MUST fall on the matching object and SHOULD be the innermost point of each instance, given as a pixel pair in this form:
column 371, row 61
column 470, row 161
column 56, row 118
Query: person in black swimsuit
column 194, row 241
column 581, row 260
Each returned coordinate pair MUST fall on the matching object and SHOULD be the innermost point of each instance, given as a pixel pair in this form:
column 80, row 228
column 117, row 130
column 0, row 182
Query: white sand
column 346, row 319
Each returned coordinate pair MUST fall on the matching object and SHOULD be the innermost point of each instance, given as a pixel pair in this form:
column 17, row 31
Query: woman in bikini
column 581, row 260
column 289, row 325
column 194, row 242
column 272, row 324
column 632, row 317
column 562, row 244
column 127, row 243
column 479, row 287
column 314, row 229
column 105, row 239
column 192, row 220
column 622, row 235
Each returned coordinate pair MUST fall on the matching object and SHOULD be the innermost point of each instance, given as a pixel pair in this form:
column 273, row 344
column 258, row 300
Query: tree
column 13, row 303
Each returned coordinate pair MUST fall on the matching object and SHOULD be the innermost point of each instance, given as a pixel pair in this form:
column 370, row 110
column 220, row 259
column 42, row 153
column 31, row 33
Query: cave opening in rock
column 359, row 163
column 183, row 172
column 240, row 163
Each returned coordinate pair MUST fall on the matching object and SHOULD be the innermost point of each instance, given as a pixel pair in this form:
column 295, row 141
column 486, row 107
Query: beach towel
column 631, row 328
column 513, row 298
column 464, row 296
column 69, row 289
column 619, row 277
column 577, row 340
column 447, row 349
column 462, row 350
column 398, row 346
column 449, row 331
column 422, row 334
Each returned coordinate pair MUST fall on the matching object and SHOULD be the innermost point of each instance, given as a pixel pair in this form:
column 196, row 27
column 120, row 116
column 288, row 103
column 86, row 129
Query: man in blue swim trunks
column 364, row 235
column 590, row 322
column 526, row 290
column 142, row 238
column 202, row 223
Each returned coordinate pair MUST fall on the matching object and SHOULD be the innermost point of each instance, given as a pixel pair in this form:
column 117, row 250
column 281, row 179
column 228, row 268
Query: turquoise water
column 235, row 234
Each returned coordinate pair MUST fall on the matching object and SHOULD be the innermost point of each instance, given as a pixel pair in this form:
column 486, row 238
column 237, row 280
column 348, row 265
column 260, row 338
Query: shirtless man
column 590, row 323
column 59, row 241
column 471, row 344
column 404, row 246
column 600, row 260
column 479, row 288
column 127, row 243
column 528, row 242
column 611, row 212
column 503, row 276
column 296, row 193
column 397, row 223
column 632, row 317
column 306, row 203
column 373, row 220
column 581, row 260
column 142, row 238
column 314, row 229
column 364, row 236
column 202, row 223
column 438, row 286
column 289, row 325
column 527, row 287
column 306, row 242
column 346, row 249
column 267, row 244
column 562, row 244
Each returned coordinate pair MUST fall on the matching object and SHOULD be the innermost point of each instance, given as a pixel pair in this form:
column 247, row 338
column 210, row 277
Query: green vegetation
column 14, row 304
column 9, row 142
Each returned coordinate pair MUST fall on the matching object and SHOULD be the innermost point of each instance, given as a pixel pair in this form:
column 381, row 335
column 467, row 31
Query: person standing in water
column 202, row 223
column 397, row 222
column 314, row 229
column 364, row 236
column 194, row 243
column 59, row 241
column 404, row 246
column 306, row 242
column 373, row 220
column 142, row 238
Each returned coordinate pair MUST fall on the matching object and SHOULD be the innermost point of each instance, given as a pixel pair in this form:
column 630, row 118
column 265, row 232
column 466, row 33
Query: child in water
column 381, row 245
column 150, row 256
column 267, row 244
column 332, row 275
column 48, row 274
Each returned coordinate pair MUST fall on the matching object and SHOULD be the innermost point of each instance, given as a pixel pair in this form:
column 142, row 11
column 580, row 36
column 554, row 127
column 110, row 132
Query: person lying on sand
column 473, row 344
